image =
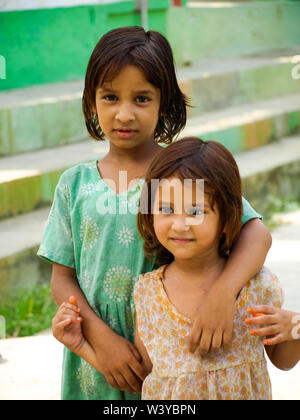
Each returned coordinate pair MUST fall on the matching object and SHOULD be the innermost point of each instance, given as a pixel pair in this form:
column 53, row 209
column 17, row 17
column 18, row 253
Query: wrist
column 224, row 289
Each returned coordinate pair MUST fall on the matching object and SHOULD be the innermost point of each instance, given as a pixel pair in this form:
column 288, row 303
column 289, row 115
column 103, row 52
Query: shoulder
column 268, row 284
column 148, row 281
column 77, row 172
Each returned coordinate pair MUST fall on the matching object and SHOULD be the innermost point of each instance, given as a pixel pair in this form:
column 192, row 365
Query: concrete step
column 40, row 117
column 215, row 84
column 218, row 29
column 269, row 173
column 50, row 115
column 248, row 126
column 28, row 180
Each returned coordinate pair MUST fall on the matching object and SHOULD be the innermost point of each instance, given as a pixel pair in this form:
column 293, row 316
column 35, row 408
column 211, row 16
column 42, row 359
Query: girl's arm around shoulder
column 214, row 318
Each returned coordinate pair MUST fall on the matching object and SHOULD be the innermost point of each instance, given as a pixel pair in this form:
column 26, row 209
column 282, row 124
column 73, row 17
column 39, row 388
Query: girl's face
column 187, row 230
column 128, row 108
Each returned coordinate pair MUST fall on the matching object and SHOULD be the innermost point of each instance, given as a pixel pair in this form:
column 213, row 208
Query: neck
column 139, row 154
column 204, row 269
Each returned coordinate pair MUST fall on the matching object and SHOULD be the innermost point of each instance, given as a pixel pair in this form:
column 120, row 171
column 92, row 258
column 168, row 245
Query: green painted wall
column 53, row 45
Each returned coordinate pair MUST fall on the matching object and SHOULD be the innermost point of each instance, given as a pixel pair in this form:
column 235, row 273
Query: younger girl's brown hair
column 151, row 52
column 192, row 158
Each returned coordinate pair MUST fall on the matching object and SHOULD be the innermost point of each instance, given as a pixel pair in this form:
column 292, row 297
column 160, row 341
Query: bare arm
column 284, row 355
column 117, row 359
column 282, row 329
column 213, row 321
column 247, row 257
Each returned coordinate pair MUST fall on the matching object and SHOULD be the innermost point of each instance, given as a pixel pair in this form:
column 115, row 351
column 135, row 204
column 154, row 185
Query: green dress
column 93, row 229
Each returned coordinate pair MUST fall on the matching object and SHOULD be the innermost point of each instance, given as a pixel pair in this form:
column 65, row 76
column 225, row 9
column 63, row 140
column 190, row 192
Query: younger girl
column 193, row 236
column 131, row 97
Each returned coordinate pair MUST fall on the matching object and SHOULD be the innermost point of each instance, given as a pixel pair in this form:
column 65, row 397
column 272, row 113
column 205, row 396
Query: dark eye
column 110, row 97
column 142, row 99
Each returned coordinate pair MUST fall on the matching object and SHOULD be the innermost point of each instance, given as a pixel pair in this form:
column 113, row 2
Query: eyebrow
column 169, row 203
column 136, row 92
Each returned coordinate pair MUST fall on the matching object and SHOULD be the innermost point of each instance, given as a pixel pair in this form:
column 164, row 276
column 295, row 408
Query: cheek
column 160, row 228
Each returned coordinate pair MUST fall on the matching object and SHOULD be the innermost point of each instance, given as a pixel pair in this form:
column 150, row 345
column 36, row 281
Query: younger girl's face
column 128, row 108
column 188, row 230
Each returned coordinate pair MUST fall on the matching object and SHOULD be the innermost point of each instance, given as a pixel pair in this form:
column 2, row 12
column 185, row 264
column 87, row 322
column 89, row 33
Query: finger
column 73, row 301
column 69, row 306
column 138, row 369
column 264, row 331
column 69, row 311
column 263, row 309
column 216, row 341
column 262, row 319
column 131, row 380
column 57, row 328
column 112, row 382
column 136, row 353
column 227, row 334
column 271, row 341
column 122, row 383
column 194, row 339
column 205, row 343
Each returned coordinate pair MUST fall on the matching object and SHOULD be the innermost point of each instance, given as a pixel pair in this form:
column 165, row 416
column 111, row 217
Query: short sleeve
column 273, row 291
column 248, row 212
column 57, row 243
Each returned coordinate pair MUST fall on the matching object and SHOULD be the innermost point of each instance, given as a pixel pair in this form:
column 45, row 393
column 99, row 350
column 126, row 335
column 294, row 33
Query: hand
column 278, row 323
column 66, row 326
column 120, row 362
column 213, row 321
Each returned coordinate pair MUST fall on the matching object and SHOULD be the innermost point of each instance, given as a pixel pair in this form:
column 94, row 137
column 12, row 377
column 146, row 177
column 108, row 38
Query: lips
column 124, row 133
column 180, row 240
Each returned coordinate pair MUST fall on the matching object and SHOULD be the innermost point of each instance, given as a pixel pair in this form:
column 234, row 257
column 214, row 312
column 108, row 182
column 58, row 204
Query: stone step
column 40, row 117
column 269, row 173
column 218, row 29
column 248, row 126
column 216, row 83
column 47, row 116
column 28, row 180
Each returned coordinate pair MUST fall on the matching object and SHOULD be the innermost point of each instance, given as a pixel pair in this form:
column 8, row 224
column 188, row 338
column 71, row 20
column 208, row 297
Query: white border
column 9, row 5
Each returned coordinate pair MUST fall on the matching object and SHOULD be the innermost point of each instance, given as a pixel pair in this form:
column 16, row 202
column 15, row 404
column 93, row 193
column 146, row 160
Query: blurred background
column 238, row 61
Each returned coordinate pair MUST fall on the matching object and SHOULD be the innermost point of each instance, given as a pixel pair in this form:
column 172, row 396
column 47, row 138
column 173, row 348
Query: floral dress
column 239, row 373
column 93, row 229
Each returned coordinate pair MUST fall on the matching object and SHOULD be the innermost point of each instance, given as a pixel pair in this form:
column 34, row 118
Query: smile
column 181, row 241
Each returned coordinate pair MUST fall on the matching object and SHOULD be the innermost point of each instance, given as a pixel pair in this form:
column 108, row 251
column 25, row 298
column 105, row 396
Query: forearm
column 286, row 355
column 86, row 352
column 246, row 258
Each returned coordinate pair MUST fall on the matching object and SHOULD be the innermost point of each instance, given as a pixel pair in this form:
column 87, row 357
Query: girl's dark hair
column 192, row 158
column 151, row 52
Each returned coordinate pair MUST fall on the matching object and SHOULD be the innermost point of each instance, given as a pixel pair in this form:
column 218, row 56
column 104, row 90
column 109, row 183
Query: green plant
column 27, row 312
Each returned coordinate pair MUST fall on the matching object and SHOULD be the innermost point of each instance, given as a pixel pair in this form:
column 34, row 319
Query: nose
column 124, row 113
column 179, row 224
